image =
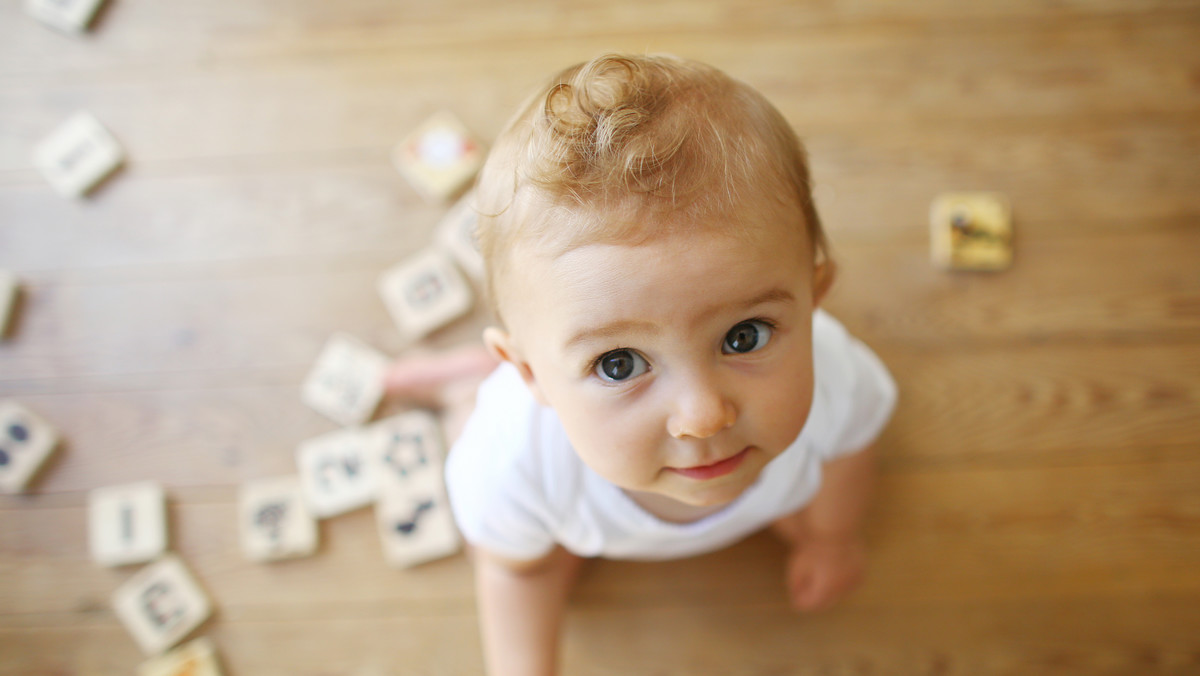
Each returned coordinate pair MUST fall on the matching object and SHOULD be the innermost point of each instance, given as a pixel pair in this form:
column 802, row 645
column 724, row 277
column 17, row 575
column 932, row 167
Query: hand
column 824, row 568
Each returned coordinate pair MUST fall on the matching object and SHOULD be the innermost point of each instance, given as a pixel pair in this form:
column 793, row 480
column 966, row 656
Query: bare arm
column 841, row 504
column 521, row 607
column 828, row 554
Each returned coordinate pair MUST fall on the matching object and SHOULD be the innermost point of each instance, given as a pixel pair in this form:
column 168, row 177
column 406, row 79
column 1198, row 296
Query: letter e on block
column 161, row 604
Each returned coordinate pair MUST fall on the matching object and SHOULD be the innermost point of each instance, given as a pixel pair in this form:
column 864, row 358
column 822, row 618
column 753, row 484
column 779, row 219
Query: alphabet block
column 424, row 293
column 26, row 442
column 161, row 604
column 346, row 383
column 439, row 158
column 8, row 299
column 456, row 233
column 128, row 523
column 196, row 658
column 72, row 16
column 78, row 155
column 274, row 520
column 337, row 472
column 411, row 511
column 971, row 231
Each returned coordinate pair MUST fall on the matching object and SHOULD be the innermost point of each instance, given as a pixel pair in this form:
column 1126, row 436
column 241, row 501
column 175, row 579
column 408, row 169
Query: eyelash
column 595, row 363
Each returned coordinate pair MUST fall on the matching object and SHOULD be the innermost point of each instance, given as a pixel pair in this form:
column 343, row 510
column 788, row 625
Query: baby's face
column 679, row 367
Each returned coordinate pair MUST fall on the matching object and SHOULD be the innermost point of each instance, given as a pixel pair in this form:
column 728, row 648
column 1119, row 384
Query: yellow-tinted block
column 198, row 658
column 971, row 231
column 439, row 158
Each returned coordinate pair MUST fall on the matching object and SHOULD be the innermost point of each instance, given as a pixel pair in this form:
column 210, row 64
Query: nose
column 702, row 409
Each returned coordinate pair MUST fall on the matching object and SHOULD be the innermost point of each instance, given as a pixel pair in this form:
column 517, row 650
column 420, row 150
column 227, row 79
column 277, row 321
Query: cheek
column 785, row 409
column 613, row 440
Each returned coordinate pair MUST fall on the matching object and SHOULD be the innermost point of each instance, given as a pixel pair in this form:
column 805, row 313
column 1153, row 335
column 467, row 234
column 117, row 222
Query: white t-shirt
column 517, row 487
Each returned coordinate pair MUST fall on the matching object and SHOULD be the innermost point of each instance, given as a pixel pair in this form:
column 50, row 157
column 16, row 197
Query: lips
column 717, row 469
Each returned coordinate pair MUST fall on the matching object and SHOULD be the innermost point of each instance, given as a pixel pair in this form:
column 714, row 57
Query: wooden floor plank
column 1033, row 405
column 164, row 319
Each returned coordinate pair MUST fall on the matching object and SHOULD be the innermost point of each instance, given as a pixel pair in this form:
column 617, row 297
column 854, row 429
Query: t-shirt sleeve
column 493, row 485
column 864, row 390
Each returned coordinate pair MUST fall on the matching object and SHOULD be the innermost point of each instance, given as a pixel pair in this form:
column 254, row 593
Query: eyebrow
column 610, row 330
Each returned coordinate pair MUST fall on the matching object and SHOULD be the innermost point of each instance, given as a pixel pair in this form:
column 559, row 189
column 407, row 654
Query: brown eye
column 620, row 365
column 747, row 337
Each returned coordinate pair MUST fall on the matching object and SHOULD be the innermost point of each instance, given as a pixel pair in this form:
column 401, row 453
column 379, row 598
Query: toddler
column 667, row 385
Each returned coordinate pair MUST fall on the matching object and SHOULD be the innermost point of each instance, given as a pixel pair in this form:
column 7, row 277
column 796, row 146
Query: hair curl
column 631, row 137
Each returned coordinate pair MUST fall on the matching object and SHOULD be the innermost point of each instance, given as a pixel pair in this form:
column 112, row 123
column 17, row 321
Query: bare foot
column 446, row 381
column 431, row 377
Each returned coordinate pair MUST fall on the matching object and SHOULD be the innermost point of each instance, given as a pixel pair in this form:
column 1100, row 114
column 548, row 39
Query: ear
column 824, row 274
column 500, row 343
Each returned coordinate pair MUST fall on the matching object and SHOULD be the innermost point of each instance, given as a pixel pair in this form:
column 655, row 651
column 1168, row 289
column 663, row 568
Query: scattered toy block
column 26, row 442
column 971, row 231
column 8, row 299
column 416, row 527
column 456, row 232
column 346, row 382
column 78, row 155
column 161, row 604
column 337, row 471
column 425, row 292
column 274, row 520
column 127, row 523
column 72, row 16
column 196, row 658
column 439, row 158
column 412, row 512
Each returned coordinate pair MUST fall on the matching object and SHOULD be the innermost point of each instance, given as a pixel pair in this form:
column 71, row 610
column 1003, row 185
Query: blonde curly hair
column 626, row 148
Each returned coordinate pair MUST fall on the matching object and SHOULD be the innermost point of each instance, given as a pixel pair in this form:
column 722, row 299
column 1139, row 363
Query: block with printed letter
column 274, row 520
column 161, row 604
column 127, row 523
column 78, row 155
column 26, row 442
column 66, row 15
column 195, row 658
column 439, row 158
column 971, row 231
column 456, row 233
column 337, row 471
column 346, row 382
column 412, row 512
column 8, row 299
column 425, row 292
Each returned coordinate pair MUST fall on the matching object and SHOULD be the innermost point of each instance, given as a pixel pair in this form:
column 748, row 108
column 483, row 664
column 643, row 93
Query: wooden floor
column 1039, row 510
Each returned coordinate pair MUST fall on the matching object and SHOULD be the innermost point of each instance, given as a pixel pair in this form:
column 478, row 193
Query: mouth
column 717, row 469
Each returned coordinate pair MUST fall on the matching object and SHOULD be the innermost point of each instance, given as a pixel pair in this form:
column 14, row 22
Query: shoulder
column 851, row 383
column 501, row 473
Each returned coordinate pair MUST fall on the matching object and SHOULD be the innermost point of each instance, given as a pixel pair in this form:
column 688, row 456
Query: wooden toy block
column 161, row 604
column 456, row 233
column 274, row 520
column 26, row 442
column 439, row 158
column 337, row 471
column 409, row 448
column 346, row 382
column 78, row 155
column 72, row 16
column 196, row 658
column 971, row 231
column 411, row 511
column 128, row 523
column 415, row 525
column 8, row 299
column 425, row 292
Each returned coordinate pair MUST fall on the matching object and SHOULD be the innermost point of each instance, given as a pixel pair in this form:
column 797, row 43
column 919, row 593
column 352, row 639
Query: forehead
column 676, row 281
